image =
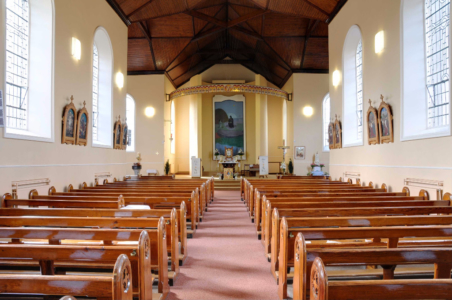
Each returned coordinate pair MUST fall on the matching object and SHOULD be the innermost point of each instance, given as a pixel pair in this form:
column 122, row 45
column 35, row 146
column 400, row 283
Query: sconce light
column 76, row 48
column 290, row 97
column 167, row 97
column 379, row 42
column 149, row 111
column 120, row 80
column 308, row 111
column 336, row 78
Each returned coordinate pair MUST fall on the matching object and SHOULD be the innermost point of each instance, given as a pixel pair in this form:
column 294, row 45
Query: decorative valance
column 229, row 88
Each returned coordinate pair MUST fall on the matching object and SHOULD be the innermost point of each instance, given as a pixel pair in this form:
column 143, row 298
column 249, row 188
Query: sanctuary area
column 225, row 149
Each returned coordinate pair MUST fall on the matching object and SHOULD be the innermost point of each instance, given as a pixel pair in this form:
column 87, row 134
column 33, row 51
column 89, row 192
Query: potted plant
column 283, row 167
column 321, row 166
column 290, row 166
column 167, row 167
column 216, row 154
column 240, row 153
column 137, row 166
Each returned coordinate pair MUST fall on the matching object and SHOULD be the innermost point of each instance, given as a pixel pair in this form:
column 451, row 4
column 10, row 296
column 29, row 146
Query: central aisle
column 225, row 258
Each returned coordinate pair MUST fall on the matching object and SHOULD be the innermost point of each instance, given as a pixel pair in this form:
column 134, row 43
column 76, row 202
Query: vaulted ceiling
column 182, row 38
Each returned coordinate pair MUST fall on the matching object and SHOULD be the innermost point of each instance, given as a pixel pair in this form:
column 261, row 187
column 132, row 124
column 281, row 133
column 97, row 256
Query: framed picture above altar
column 229, row 124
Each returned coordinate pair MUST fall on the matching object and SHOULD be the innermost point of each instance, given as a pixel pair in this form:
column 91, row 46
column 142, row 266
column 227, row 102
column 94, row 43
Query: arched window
column 29, row 55
column 130, row 115
column 425, row 69
column 102, row 89
column 173, row 128
column 352, row 88
column 326, row 107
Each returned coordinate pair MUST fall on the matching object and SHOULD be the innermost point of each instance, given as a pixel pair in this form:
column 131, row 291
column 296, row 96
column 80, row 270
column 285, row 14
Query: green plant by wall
column 290, row 166
column 167, row 167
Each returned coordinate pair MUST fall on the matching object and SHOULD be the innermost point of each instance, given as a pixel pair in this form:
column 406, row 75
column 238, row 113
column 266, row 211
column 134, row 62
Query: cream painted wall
column 182, row 156
column 309, row 90
column 388, row 163
column 275, row 131
column 148, row 90
column 65, row 164
column 167, row 127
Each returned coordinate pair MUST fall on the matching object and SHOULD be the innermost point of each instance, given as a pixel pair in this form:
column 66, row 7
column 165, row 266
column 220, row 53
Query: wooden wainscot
column 337, row 134
column 82, row 126
column 385, row 122
column 124, row 135
column 373, row 135
column 69, row 124
column 117, row 134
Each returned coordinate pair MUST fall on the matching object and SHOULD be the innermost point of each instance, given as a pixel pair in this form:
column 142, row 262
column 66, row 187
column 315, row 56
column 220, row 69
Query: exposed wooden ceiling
column 182, row 38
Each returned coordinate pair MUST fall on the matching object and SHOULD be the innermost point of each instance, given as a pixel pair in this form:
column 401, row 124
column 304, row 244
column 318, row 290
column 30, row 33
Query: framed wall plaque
column 373, row 135
column 82, row 126
column 124, row 136
column 69, row 124
column 337, row 134
column 117, row 135
column 331, row 134
column 385, row 122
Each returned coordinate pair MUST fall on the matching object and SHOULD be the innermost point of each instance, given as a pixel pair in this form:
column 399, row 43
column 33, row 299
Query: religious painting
column 82, row 126
column 337, row 134
column 331, row 135
column 299, row 152
column 69, row 123
column 385, row 122
column 124, row 136
column 117, row 135
column 229, row 125
column 372, row 125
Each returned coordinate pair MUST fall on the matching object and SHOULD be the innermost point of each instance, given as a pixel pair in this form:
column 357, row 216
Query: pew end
column 319, row 280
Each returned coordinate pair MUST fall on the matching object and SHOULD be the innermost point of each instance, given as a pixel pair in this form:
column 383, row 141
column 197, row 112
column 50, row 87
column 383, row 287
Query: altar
column 228, row 169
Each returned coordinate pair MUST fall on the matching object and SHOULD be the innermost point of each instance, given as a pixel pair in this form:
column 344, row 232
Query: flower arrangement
column 240, row 152
column 313, row 165
column 216, row 153
column 321, row 166
column 138, row 159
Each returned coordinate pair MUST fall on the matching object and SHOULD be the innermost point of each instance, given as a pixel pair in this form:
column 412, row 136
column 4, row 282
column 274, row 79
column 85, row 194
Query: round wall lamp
column 308, row 111
column 149, row 111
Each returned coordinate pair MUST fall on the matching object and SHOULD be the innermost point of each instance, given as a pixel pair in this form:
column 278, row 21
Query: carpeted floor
column 225, row 258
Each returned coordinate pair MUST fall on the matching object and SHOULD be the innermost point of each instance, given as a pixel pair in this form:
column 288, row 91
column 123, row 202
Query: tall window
column 173, row 128
column 425, row 72
column 130, row 115
column 437, row 13
column 326, row 107
column 17, row 54
column 29, row 69
column 359, row 88
column 102, row 89
column 352, row 65
column 95, row 90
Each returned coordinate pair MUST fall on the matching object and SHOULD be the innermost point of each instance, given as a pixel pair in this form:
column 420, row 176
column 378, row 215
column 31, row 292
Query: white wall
column 65, row 164
column 388, row 163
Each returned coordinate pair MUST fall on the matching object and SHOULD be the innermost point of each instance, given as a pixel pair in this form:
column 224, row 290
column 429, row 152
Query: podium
column 229, row 169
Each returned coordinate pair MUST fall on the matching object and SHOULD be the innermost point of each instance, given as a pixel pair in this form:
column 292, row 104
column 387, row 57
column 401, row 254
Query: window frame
column 405, row 108
column 48, row 134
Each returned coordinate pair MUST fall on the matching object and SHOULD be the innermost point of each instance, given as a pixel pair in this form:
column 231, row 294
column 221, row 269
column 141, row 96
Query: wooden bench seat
column 324, row 289
column 59, row 259
column 8, row 201
column 117, row 286
column 389, row 258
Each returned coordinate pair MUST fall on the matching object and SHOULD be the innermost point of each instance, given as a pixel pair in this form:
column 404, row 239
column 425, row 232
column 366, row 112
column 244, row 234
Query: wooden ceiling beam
column 285, row 79
column 338, row 7
column 226, row 51
column 206, row 18
column 139, row 8
column 248, row 33
column 309, row 31
column 207, row 33
column 147, row 35
column 316, row 7
column 247, row 17
column 119, row 11
column 229, row 61
column 311, row 71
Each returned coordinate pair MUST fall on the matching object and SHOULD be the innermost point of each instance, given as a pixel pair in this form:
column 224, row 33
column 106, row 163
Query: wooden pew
column 59, row 259
column 118, row 286
column 376, row 289
column 109, row 213
column 8, row 201
column 172, row 240
column 59, row 236
column 389, row 258
column 392, row 233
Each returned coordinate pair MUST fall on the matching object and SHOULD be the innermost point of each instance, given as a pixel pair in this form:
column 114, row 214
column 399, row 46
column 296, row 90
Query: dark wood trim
column 171, row 80
column 311, row 71
column 309, row 30
column 147, row 35
column 248, row 33
column 336, row 10
column 119, row 11
column 206, row 18
column 289, row 74
column 229, row 61
column 316, row 7
column 247, row 17
column 139, row 8
column 145, row 72
column 158, row 17
column 207, row 33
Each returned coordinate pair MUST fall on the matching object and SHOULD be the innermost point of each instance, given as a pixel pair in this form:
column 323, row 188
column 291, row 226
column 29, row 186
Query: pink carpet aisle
column 225, row 258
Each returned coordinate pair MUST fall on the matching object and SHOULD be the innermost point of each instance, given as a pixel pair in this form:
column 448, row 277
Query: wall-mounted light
column 120, row 80
column 308, row 111
column 336, row 78
column 149, row 111
column 167, row 97
column 379, row 42
column 76, row 48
